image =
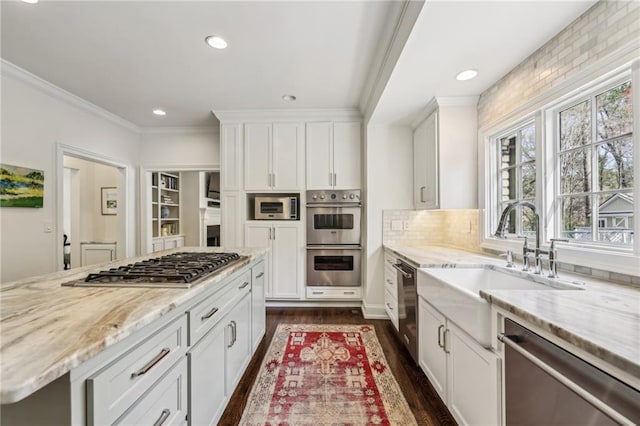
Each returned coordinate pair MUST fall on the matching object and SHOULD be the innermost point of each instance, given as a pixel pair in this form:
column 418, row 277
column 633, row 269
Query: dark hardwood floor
column 425, row 403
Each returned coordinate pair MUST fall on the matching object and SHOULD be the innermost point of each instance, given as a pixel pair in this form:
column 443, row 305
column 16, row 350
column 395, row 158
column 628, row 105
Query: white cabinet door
column 231, row 214
column 238, row 341
column 319, row 155
column 425, row 164
column 231, row 157
column 258, row 319
column 207, row 393
column 288, row 156
column 347, row 144
column 287, row 261
column 257, row 156
column 472, row 380
column 433, row 359
column 259, row 235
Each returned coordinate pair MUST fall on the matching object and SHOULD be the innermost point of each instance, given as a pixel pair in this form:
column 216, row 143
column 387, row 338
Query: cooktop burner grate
column 172, row 270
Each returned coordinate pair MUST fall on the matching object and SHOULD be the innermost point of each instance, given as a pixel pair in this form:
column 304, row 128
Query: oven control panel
column 339, row 196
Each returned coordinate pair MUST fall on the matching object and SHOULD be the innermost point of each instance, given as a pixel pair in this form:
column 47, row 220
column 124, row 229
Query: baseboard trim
column 312, row 304
column 373, row 311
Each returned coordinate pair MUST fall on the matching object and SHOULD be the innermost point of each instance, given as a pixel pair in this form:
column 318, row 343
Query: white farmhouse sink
column 455, row 292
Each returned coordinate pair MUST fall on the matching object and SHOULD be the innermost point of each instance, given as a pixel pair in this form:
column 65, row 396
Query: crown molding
column 178, row 130
column 288, row 115
column 13, row 71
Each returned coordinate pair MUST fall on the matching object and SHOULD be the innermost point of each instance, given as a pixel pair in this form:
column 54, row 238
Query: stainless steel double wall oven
column 334, row 238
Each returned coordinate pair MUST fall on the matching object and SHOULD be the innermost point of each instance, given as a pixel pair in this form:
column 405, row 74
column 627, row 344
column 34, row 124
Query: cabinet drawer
column 391, row 306
column 111, row 391
column 205, row 315
column 391, row 280
column 343, row 293
column 165, row 404
column 390, row 259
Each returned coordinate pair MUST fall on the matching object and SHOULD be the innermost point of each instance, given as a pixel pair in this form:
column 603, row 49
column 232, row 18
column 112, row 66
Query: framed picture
column 109, row 200
column 21, row 186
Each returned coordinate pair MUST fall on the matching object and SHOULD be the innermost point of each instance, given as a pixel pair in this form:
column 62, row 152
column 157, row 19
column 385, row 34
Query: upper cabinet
column 445, row 156
column 231, row 164
column 273, row 156
column 333, row 155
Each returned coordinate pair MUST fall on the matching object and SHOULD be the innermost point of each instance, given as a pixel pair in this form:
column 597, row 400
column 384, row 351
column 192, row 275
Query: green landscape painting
column 21, row 187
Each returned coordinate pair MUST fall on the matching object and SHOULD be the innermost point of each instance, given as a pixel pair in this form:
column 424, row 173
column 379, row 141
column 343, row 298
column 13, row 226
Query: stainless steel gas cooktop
column 176, row 270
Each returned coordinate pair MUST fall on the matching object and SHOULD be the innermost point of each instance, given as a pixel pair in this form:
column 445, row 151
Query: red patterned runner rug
column 326, row 375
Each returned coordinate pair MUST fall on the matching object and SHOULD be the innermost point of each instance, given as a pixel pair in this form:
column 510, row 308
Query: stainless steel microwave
column 276, row 208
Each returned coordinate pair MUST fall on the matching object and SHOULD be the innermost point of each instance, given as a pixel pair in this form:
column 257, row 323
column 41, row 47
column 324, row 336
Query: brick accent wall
column 606, row 27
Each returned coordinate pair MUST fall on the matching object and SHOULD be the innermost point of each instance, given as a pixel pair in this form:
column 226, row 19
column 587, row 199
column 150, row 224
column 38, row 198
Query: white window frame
column 544, row 111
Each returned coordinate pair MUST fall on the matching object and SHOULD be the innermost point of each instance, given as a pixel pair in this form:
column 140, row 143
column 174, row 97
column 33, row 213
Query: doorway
column 92, row 211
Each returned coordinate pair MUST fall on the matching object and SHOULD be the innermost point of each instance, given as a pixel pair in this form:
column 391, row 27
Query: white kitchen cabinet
column 334, row 155
column 238, row 341
column 231, row 158
column 258, row 309
column 273, row 156
column 231, row 218
column 208, row 394
column 464, row 374
column 285, row 263
column 167, row 243
column 391, row 288
column 445, row 155
column 334, row 293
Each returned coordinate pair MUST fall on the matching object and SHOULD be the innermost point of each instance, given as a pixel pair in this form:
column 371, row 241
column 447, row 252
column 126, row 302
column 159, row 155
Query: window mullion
column 595, row 171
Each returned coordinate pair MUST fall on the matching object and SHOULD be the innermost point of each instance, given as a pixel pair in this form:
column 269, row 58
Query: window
column 517, row 176
column 595, row 168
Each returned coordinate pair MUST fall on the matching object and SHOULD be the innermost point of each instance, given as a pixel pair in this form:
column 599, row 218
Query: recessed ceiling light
column 288, row 98
column 466, row 75
column 159, row 112
column 30, row 1
column 216, row 42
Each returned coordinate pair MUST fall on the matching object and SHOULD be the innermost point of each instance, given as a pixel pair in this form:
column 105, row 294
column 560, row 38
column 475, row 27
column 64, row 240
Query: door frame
column 123, row 247
column 144, row 178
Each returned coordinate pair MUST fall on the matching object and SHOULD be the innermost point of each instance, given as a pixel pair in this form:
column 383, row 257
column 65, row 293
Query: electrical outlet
column 396, row 225
column 405, row 225
column 47, row 227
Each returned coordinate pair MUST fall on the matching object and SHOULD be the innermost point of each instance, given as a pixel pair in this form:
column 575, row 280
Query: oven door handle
column 402, row 271
column 346, row 205
column 334, row 248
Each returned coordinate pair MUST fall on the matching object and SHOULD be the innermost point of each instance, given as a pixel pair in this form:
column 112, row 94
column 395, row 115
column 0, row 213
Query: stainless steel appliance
column 276, row 208
column 175, row 270
column 337, row 266
column 544, row 384
column 333, row 217
column 333, row 238
column 408, row 306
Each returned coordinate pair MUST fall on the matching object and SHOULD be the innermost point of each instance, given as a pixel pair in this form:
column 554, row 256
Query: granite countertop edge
column 14, row 387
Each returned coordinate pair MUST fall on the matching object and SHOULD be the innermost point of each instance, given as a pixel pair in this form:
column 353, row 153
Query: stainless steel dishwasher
column 408, row 307
column 546, row 385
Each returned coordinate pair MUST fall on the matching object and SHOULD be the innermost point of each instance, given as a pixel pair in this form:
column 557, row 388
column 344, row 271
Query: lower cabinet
column 207, row 393
column 238, row 341
column 464, row 373
column 167, row 243
column 339, row 293
column 258, row 308
column 92, row 253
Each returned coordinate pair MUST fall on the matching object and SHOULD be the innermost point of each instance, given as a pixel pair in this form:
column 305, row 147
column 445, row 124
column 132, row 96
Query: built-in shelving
column 165, row 204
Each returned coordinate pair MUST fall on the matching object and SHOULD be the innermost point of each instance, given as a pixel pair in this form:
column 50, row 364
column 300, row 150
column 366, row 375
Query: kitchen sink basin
column 455, row 292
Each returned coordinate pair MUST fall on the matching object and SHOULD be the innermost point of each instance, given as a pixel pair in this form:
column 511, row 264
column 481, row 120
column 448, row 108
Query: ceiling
column 131, row 57
column 451, row 36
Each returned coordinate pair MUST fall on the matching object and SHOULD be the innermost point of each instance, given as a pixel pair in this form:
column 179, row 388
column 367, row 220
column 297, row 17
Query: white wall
column 388, row 185
column 35, row 117
column 178, row 147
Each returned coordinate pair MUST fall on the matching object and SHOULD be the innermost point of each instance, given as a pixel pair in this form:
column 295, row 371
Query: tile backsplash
column 453, row 228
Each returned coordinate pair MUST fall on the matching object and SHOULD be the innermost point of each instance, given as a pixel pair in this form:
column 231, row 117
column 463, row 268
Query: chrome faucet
column 502, row 225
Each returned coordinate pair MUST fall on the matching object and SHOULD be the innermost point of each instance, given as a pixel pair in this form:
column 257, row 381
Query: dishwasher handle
column 404, row 273
column 511, row 341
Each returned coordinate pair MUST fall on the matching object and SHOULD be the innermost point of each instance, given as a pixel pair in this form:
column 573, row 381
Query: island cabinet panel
column 112, row 390
column 208, row 394
column 165, row 404
column 238, row 342
column 258, row 308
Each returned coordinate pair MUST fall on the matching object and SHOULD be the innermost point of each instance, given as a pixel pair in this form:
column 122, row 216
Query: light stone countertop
column 603, row 319
column 46, row 329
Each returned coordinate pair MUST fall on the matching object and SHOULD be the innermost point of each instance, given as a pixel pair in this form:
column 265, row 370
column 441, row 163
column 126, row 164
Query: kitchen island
column 56, row 342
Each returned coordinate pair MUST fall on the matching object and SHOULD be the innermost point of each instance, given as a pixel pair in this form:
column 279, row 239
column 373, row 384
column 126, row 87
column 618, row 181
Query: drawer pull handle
column 389, row 306
column 349, row 292
column 317, row 292
column 163, row 417
column 232, row 325
column 260, row 275
column 164, row 352
column 209, row 314
column 440, row 327
column 244, row 284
